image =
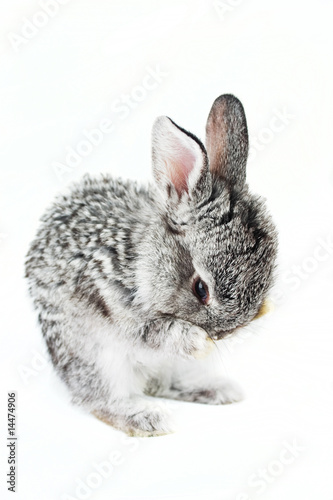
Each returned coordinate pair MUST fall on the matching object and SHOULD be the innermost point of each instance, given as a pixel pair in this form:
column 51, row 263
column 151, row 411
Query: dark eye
column 200, row 289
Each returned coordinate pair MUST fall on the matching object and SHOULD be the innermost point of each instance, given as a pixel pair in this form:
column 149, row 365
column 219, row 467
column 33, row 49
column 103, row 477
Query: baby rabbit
column 133, row 283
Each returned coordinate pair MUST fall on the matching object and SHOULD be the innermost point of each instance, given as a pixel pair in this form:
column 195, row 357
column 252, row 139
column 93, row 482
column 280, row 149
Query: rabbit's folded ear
column 227, row 140
column 179, row 158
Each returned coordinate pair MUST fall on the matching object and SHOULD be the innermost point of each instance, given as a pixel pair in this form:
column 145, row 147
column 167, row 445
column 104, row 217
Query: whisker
column 219, row 353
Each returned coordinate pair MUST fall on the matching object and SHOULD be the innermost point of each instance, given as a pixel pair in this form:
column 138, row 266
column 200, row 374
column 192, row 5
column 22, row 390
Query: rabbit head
column 214, row 251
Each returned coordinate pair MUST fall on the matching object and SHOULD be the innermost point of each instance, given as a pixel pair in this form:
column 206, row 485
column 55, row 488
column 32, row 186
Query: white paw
column 149, row 422
column 228, row 392
column 196, row 343
column 218, row 394
column 138, row 418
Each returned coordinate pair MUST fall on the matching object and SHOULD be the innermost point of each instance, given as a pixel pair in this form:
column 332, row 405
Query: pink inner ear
column 179, row 168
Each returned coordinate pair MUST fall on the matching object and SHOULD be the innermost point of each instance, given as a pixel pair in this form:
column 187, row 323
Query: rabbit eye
column 200, row 290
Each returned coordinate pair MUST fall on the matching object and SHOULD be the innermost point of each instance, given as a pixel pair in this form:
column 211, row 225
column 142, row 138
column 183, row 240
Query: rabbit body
column 132, row 283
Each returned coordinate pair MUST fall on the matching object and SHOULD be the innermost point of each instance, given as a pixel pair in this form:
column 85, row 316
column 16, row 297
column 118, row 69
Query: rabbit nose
column 221, row 334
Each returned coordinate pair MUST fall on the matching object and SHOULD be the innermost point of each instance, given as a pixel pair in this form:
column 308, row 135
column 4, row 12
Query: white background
column 65, row 78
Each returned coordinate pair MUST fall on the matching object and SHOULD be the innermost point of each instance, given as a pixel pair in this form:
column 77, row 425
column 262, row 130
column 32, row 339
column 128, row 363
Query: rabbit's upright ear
column 227, row 140
column 179, row 158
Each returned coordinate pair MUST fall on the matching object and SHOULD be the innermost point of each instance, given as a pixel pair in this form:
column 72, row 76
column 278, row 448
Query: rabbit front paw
column 225, row 392
column 149, row 422
column 142, row 419
column 176, row 337
column 195, row 343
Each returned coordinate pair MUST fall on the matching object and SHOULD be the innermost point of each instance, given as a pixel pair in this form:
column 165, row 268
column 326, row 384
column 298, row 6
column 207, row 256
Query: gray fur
column 112, row 266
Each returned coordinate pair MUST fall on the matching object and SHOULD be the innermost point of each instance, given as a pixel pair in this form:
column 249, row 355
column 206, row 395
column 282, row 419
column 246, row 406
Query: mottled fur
column 112, row 267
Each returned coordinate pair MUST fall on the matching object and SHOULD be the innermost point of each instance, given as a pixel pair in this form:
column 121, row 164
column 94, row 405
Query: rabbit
column 134, row 284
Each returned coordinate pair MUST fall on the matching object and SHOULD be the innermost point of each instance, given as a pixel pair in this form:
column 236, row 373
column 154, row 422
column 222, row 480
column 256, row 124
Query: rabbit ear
column 227, row 140
column 179, row 158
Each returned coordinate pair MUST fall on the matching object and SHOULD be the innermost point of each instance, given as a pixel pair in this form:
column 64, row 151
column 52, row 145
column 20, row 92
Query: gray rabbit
column 133, row 284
